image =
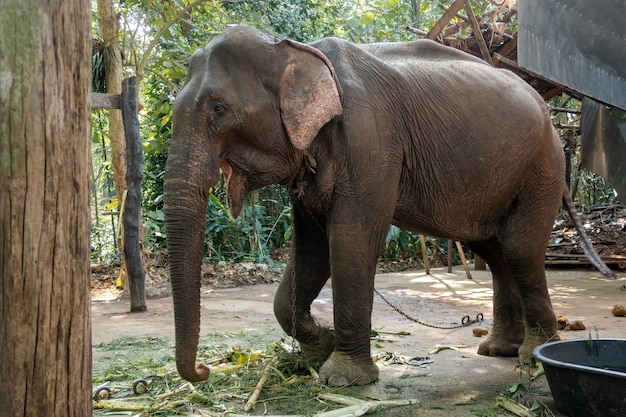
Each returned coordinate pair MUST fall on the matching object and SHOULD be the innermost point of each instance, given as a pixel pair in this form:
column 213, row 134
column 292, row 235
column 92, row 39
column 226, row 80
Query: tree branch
column 152, row 44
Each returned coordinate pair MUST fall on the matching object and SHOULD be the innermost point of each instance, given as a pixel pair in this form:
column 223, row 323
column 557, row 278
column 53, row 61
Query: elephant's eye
column 217, row 108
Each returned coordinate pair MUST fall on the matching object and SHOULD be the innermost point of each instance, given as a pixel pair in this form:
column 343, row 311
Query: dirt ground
column 456, row 383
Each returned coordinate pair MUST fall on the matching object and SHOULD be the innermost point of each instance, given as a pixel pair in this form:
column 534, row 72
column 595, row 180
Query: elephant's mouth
column 227, row 169
column 236, row 187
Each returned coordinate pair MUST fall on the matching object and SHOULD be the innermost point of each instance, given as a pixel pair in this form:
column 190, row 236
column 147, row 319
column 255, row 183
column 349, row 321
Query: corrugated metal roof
column 577, row 43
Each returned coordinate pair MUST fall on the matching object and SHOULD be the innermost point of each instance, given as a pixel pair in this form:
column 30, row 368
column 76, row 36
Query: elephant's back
column 411, row 53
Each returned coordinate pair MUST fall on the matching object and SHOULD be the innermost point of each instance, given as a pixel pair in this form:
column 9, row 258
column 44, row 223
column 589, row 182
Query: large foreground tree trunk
column 45, row 338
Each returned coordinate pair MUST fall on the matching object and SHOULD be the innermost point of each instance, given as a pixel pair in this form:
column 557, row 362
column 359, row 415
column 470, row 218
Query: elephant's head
column 250, row 107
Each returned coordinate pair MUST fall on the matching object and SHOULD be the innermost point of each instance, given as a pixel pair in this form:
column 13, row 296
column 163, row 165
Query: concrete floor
column 456, row 383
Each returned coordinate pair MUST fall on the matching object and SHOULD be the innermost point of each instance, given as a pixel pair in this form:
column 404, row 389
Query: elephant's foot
column 321, row 348
column 532, row 340
column 500, row 345
column 508, row 345
column 341, row 370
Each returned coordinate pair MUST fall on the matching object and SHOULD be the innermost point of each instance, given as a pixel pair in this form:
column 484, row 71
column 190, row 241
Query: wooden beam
column 558, row 88
column 482, row 45
column 499, row 59
column 105, row 101
column 552, row 92
column 445, row 19
column 509, row 47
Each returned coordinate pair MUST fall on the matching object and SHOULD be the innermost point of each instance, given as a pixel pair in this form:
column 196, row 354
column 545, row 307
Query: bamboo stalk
column 186, row 386
column 120, row 405
column 259, row 387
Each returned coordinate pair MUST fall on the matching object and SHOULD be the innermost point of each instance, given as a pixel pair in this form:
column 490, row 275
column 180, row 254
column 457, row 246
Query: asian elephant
column 414, row 134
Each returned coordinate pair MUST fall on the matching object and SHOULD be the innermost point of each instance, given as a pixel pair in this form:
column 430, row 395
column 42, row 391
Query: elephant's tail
column 588, row 248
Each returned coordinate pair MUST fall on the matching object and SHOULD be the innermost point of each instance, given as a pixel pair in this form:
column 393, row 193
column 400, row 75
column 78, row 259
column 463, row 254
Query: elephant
column 414, row 134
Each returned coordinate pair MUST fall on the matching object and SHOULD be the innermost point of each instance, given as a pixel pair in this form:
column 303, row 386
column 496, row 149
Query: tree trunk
column 45, row 336
column 110, row 32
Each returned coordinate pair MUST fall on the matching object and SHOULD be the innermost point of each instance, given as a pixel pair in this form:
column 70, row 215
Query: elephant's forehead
column 237, row 43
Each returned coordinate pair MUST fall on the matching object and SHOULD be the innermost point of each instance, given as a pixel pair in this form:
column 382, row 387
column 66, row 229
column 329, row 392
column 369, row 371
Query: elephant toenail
column 337, row 380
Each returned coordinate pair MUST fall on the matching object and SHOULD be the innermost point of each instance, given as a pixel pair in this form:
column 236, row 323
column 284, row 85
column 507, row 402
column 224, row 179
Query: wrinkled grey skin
column 413, row 134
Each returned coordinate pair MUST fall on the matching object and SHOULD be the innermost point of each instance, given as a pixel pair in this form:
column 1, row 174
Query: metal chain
column 309, row 165
column 293, row 301
column 465, row 321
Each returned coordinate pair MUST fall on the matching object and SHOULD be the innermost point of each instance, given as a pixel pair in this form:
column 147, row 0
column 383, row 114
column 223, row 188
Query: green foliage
column 98, row 67
column 525, row 393
column 103, row 198
column 382, row 21
column 264, row 224
column 402, row 244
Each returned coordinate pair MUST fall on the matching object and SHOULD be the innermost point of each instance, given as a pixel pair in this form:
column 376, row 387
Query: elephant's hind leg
column 507, row 333
column 524, row 239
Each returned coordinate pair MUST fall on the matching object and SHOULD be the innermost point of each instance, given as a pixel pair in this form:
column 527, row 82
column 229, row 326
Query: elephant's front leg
column 305, row 276
column 353, row 259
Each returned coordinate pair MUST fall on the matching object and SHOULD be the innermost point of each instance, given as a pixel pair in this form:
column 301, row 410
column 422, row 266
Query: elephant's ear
column 309, row 93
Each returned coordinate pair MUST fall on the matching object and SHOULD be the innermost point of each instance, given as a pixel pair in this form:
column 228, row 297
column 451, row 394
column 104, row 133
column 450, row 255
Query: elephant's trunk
column 185, row 200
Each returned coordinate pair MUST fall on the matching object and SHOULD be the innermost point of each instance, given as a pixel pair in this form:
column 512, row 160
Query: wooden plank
column 445, row 19
column 572, row 259
column 615, row 258
column 105, row 101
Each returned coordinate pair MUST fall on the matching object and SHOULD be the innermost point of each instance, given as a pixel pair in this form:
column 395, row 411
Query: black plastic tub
column 587, row 377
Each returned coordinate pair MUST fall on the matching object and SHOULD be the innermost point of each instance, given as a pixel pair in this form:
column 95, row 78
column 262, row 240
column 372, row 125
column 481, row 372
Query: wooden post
column 132, row 206
column 424, row 254
column 449, row 256
column 463, row 260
